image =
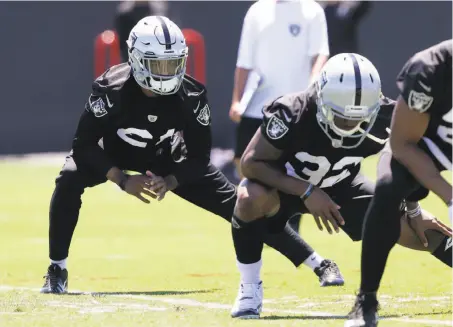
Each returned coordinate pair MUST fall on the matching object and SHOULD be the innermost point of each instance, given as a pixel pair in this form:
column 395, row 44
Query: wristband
column 308, row 192
column 122, row 183
column 414, row 212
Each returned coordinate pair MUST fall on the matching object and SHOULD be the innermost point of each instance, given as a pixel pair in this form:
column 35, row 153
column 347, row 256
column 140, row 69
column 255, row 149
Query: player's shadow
column 150, row 293
column 334, row 317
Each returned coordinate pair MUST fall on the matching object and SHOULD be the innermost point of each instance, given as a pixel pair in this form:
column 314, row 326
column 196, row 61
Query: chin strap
column 374, row 138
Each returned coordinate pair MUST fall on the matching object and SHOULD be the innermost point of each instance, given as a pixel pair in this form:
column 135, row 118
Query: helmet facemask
column 346, row 127
column 162, row 75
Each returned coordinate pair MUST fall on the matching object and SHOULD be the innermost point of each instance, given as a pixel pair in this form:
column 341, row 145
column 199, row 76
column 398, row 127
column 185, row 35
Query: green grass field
column 172, row 264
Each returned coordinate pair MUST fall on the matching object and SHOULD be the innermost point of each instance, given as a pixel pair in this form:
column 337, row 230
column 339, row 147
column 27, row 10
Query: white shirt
column 278, row 42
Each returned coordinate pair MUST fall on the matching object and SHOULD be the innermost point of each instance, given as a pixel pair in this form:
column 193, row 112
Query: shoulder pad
column 104, row 97
column 113, row 79
column 285, row 107
column 192, row 87
column 281, row 116
column 295, row 104
column 195, row 92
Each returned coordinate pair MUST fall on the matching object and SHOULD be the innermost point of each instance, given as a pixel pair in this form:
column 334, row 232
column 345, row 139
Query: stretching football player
column 421, row 141
column 306, row 158
column 139, row 110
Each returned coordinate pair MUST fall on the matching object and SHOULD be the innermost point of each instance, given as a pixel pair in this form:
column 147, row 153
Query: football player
column 306, row 158
column 421, row 141
column 133, row 121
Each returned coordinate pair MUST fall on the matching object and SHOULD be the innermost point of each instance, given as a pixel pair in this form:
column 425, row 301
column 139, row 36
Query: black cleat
column 364, row 312
column 56, row 280
column 329, row 274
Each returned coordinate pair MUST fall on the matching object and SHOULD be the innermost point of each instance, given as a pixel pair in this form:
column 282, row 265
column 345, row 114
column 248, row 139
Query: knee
column 254, row 201
column 69, row 182
column 66, row 197
column 409, row 239
column 435, row 239
column 66, row 178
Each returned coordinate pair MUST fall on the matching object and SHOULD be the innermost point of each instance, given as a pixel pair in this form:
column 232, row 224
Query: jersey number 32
column 323, row 167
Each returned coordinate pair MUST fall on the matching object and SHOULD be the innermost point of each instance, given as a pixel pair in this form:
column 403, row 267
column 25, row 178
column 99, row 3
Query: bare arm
column 240, row 79
column 318, row 46
column 256, row 164
column 403, row 141
column 244, row 63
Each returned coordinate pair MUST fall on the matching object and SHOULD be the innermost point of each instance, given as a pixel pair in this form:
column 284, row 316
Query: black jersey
column 290, row 124
column 425, row 84
column 140, row 132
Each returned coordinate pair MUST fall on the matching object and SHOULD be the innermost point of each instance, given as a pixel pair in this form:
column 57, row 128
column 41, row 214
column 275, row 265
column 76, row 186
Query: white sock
column 313, row 261
column 61, row 263
column 250, row 273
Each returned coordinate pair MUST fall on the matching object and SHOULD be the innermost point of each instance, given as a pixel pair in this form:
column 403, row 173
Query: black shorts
column 212, row 192
column 245, row 131
column 353, row 200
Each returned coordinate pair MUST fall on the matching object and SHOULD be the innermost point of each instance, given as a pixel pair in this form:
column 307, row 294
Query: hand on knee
column 423, row 232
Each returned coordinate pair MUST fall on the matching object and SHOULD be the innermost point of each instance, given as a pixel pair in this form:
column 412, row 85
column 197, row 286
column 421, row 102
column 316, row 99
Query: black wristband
column 122, row 183
column 308, row 192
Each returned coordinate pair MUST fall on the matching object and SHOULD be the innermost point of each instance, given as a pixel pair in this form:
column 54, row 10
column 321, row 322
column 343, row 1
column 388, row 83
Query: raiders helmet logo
column 419, row 101
column 204, row 115
column 98, row 107
column 276, row 128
